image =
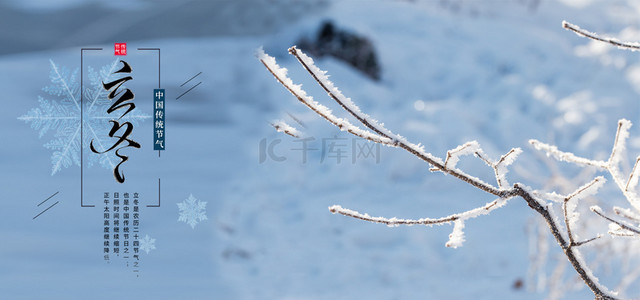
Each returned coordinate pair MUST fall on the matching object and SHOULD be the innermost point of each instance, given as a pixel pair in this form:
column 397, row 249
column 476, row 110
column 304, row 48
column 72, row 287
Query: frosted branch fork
column 626, row 184
column 378, row 133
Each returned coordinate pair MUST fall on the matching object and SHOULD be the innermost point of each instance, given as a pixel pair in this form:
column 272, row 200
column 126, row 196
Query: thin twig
column 326, row 114
column 584, row 33
column 622, row 224
column 632, row 175
column 334, row 93
column 566, row 156
column 578, row 244
column 285, row 128
column 499, row 167
column 627, row 213
column 483, row 210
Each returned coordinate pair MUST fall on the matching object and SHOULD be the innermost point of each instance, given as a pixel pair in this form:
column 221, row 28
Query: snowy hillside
column 499, row 72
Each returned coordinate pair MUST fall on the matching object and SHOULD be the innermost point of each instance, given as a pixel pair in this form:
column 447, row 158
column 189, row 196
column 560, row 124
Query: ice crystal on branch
column 60, row 114
column 192, row 211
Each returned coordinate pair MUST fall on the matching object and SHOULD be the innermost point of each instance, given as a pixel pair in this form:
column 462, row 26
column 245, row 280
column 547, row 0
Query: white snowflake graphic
column 192, row 211
column 147, row 244
column 62, row 115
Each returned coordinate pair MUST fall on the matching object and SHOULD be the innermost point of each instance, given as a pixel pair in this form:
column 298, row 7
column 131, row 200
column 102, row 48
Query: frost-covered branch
column 623, row 225
column 453, row 156
column 632, row 182
column 633, row 46
column 627, row 213
column 335, row 94
column 377, row 133
column 500, row 167
column 281, row 75
column 569, row 206
column 456, row 237
column 396, row 140
column 577, row 244
column 566, row 156
column 285, row 128
column 626, row 184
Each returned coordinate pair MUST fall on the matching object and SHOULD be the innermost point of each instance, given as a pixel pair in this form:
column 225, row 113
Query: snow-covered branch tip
column 551, row 150
column 377, row 133
column 285, row 128
column 633, row 46
column 623, row 226
column 620, row 142
column 323, row 80
column 627, row 213
column 632, row 182
column 281, row 76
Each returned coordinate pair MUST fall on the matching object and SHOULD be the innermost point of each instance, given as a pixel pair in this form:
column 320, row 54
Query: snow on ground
column 495, row 72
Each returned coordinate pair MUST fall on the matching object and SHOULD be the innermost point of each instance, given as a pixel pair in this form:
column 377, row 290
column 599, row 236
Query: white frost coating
column 323, row 78
column 595, row 208
column 616, row 158
column 627, row 213
column 633, row 46
column 388, row 138
column 510, row 157
column 611, row 165
column 282, row 126
column 632, row 183
column 582, row 192
column 628, row 228
column 391, row 222
column 355, row 110
column 553, row 196
column 471, row 177
column 457, row 235
column 470, row 214
column 453, row 155
column 456, row 238
column 589, row 274
column 633, row 177
column 617, row 230
column 296, row 89
column 617, row 153
column 588, row 189
column 484, row 210
column 572, row 215
column 501, row 167
column 620, row 143
column 456, row 218
column 554, row 218
column 566, row 156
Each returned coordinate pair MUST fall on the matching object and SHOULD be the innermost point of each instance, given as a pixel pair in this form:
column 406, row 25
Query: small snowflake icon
column 147, row 244
column 192, row 211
